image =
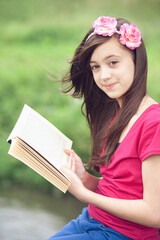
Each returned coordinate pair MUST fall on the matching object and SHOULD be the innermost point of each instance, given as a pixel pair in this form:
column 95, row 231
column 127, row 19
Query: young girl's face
column 113, row 68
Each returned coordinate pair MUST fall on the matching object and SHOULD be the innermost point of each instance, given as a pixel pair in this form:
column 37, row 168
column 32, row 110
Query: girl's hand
column 76, row 172
column 75, row 164
column 76, row 188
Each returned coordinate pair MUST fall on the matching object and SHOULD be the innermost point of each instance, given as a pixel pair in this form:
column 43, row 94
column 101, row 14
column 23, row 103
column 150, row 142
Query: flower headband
column 130, row 35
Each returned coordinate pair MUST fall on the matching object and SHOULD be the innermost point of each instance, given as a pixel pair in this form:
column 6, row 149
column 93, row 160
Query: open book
column 40, row 145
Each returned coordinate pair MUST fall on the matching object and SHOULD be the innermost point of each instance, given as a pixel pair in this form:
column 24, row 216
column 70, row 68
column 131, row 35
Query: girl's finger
column 68, row 151
column 73, row 168
column 69, row 162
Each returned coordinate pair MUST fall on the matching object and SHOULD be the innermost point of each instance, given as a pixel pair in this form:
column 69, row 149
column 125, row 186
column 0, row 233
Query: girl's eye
column 94, row 67
column 113, row 63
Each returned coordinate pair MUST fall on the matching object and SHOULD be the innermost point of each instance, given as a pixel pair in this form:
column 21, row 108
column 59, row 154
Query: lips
column 109, row 86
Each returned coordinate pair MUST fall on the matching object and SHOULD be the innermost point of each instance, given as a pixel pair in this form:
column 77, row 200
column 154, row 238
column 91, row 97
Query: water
column 28, row 215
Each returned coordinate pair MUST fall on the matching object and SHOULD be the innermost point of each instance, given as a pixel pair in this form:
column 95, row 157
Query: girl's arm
column 144, row 211
column 75, row 163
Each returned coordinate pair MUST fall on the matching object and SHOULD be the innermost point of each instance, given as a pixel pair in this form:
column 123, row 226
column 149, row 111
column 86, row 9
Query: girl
column 109, row 69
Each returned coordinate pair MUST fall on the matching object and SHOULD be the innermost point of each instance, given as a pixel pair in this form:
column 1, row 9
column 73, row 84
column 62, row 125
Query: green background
column 37, row 38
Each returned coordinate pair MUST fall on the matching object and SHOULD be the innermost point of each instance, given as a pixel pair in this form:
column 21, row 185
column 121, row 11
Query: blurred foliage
column 38, row 37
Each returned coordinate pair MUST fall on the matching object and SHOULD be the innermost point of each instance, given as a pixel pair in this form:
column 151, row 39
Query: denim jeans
column 86, row 228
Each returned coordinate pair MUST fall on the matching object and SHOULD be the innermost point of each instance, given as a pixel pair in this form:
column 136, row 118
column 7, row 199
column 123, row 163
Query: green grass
column 38, row 37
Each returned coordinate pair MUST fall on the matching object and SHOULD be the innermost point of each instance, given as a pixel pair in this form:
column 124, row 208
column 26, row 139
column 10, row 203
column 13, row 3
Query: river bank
column 31, row 215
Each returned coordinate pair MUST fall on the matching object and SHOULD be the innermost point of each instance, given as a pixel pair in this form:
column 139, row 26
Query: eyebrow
column 107, row 57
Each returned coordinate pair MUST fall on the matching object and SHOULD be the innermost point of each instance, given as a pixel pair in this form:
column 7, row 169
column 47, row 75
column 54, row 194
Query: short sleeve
column 149, row 142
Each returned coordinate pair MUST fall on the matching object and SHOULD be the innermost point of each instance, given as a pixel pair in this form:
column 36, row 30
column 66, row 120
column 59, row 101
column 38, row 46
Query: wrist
column 83, row 194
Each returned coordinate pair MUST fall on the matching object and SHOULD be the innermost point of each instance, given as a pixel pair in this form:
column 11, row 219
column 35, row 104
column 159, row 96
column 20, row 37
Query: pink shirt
column 123, row 177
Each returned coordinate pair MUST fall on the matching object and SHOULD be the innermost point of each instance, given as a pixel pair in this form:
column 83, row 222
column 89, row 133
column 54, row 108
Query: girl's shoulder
column 151, row 114
column 149, row 110
column 148, row 117
column 148, row 113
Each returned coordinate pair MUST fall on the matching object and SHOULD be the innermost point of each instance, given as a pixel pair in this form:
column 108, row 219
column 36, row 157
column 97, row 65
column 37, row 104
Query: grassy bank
column 38, row 37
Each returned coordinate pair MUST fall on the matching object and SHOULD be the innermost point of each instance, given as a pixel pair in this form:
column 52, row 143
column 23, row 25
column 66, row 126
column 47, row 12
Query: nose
column 105, row 73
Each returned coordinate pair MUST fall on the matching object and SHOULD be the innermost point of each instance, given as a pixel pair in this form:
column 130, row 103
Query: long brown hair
column 99, row 108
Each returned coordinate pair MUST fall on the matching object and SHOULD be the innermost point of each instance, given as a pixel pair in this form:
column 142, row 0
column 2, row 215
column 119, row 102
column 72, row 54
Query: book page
column 41, row 135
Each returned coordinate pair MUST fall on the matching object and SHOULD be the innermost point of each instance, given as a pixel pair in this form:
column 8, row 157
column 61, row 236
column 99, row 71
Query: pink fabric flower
column 130, row 36
column 105, row 26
